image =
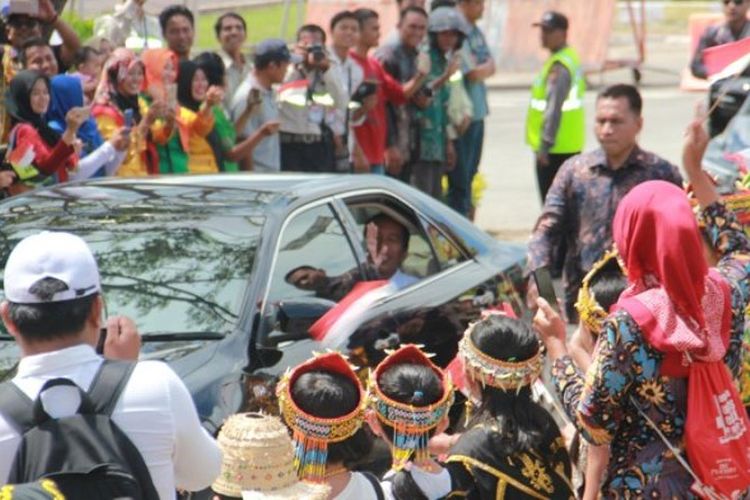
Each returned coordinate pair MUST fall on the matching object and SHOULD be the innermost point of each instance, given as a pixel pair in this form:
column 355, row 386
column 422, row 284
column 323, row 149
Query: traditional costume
column 479, row 468
column 411, row 424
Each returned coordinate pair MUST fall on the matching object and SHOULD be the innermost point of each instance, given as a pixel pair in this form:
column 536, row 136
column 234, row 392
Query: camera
column 426, row 92
column 317, row 51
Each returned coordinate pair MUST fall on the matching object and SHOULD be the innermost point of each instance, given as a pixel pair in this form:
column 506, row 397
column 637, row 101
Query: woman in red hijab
column 675, row 311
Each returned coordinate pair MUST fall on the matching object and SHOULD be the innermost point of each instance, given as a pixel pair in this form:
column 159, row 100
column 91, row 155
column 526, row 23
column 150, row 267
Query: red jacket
column 48, row 160
column 371, row 135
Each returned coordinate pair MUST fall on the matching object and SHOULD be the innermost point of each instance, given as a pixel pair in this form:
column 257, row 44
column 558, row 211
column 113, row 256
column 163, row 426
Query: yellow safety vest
column 571, row 133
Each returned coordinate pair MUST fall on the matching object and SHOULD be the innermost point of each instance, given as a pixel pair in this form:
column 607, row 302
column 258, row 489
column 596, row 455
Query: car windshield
column 172, row 265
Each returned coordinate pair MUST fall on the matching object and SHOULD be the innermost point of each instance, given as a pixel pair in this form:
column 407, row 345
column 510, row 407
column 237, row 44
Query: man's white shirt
column 155, row 410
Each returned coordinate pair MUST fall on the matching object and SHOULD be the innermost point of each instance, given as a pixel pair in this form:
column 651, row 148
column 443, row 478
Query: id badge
column 315, row 113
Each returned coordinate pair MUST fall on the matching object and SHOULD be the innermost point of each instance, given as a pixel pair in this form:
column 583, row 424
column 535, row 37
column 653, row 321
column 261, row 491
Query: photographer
column 308, row 100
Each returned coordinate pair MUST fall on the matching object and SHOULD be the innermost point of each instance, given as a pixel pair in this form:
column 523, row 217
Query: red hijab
column 680, row 305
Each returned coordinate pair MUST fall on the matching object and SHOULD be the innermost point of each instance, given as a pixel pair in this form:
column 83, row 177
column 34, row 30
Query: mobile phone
column 128, row 115
column 545, row 287
column 102, row 339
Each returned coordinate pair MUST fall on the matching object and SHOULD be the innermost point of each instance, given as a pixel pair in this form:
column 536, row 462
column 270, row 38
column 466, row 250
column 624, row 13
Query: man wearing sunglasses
column 19, row 28
column 736, row 27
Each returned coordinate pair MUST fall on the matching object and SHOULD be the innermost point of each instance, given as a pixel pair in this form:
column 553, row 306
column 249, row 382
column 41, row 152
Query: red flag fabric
column 719, row 57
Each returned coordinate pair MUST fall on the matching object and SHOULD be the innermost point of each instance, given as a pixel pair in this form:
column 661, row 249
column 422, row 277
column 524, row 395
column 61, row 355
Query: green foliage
column 262, row 22
column 84, row 27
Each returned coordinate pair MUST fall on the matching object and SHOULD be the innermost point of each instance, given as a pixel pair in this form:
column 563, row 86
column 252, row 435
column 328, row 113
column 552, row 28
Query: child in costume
column 513, row 447
column 323, row 403
column 409, row 400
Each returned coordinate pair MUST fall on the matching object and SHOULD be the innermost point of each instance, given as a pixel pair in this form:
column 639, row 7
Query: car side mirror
column 294, row 317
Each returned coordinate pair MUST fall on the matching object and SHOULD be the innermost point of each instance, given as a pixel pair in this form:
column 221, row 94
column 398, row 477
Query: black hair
column 381, row 217
column 29, row 43
column 84, row 53
column 329, row 395
column 228, row 15
column 442, row 3
column 312, row 28
column 50, row 320
column 417, row 385
column 522, row 423
column 340, row 16
column 629, row 92
column 409, row 10
column 607, row 284
column 410, row 383
column 363, row 15
column 174, row 10
column 213, row 66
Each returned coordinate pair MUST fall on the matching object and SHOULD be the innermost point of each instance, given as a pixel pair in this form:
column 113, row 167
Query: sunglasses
column 736, row 2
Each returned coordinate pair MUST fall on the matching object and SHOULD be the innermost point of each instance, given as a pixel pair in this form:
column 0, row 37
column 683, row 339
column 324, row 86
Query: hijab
column 18, row 104
column 186, row 72
column 115, row 71
column 680, row 305
column 67, row 93
column 154, row 61
column 213, row 67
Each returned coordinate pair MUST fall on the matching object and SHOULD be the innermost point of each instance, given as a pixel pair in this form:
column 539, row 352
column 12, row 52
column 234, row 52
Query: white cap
column 63, row 256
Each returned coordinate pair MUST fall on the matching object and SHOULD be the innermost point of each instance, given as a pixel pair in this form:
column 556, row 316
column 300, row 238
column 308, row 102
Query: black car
column 203, row 264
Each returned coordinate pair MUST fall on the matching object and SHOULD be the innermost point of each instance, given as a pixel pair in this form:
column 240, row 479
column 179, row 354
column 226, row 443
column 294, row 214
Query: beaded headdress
column 589, row 310
column 311, row 434
column 507, row 375
column 411, row 424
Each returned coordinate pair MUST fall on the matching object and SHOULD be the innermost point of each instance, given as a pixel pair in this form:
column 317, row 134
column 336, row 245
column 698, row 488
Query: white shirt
column 267, row 154
column 432, row 485
column 236, row 74
column 155, row 411
column 401, row 280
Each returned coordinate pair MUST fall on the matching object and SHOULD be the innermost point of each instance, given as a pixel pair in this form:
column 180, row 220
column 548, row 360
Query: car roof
column 252, row 192
column 246, row 192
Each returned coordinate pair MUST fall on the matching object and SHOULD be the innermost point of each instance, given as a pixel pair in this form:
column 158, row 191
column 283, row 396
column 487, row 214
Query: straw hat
column 258, row 461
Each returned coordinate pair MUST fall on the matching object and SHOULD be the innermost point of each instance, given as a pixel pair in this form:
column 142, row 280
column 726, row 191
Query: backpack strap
column 108, row 385
column 379, row 494
column 17, row 407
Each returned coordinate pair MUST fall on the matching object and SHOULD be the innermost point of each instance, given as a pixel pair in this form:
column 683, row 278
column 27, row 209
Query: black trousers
column 545, row 175
column 308, row 157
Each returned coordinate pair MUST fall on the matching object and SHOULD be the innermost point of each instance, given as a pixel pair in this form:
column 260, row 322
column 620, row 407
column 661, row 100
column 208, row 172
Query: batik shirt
column 625, row 373
column 580, row 207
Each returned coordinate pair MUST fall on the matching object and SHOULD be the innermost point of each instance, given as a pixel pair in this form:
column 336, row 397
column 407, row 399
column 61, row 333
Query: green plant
column 83, row 27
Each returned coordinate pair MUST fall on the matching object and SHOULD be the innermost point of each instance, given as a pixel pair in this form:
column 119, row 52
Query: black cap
column 274, row 50
column 552, row 20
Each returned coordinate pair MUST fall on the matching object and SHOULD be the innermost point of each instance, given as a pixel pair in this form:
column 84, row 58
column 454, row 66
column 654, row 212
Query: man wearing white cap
column 53, row 308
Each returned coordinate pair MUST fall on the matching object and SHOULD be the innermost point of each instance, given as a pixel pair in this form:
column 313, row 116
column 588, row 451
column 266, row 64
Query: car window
column 447, row 253
column 429, row 251
column 171, row 272
column 314, row 268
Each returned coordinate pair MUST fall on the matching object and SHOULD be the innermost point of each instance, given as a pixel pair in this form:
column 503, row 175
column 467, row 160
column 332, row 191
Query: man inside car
column 387, row 247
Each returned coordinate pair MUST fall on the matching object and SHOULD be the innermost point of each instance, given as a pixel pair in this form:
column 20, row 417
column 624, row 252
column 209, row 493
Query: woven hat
column 258, row 461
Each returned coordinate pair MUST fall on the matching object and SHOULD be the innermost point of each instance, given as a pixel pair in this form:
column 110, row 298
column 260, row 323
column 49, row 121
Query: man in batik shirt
column 583, row 198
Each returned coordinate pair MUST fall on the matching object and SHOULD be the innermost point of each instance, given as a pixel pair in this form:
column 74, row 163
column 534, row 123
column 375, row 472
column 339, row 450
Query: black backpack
column 86, row 454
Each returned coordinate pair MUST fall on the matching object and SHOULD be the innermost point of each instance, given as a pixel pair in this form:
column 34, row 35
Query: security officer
column 555, row 122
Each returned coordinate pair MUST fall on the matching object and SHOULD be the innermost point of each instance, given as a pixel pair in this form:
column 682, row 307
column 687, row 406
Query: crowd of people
column 136, row 101
column 656, row 285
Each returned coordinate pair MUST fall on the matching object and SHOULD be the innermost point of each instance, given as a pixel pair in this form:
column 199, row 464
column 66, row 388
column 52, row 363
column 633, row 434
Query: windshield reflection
column 174, row 258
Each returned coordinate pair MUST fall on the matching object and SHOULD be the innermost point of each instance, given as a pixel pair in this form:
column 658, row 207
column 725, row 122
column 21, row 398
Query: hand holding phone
column 545, row 287
column 128, row 116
